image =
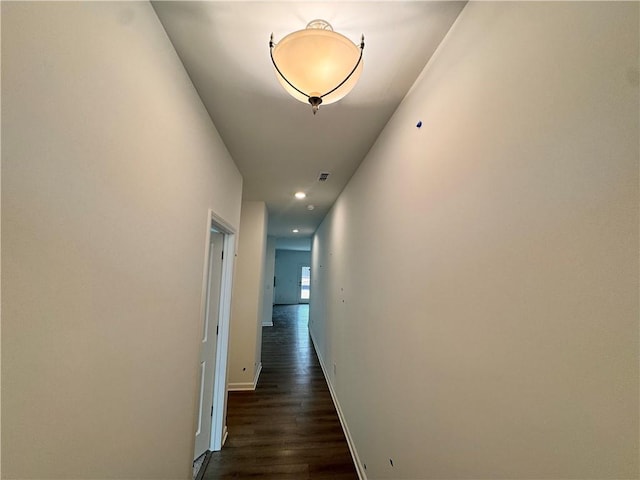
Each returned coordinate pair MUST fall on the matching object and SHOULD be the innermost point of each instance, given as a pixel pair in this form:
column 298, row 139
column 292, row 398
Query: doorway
column 304, row 283
column 215, row 313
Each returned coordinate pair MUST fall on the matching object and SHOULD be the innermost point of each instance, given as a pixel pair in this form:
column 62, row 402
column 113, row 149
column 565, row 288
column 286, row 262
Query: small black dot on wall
column 391, row 461
column 244, row 369
column 365, row 466
column 419, row 124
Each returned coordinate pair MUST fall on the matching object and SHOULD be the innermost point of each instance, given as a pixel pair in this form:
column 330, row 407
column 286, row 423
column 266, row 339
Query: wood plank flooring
column 288, row 427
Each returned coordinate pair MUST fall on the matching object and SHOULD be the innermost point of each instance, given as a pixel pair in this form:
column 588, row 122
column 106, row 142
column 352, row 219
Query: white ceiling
column 279, row 146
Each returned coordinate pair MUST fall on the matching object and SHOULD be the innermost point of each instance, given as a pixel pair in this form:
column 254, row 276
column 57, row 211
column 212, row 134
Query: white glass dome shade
column 316, row 61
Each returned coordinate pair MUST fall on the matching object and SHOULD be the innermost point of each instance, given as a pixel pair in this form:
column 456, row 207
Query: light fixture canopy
column 317, row 65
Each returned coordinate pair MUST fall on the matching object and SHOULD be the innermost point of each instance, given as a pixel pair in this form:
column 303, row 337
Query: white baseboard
column 244, row 386
column 352, row 448
column 269, row 324
column 225, row 434
column 255, row 379
column 241, row 387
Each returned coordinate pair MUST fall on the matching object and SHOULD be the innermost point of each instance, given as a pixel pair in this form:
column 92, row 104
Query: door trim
column 218, row 423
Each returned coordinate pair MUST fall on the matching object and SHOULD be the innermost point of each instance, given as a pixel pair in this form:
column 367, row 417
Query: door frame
column 218, row 424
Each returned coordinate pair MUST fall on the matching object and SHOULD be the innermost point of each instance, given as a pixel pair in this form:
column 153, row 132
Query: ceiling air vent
column 323, row 177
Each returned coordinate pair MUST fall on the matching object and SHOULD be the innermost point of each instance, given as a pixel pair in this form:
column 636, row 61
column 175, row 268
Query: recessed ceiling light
column 310, row 207
column 295, row 230
column 300, row 195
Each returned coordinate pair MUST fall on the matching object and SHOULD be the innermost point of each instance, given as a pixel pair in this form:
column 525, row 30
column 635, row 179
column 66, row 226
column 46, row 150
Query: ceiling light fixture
column 317, row 65
column 300, row 195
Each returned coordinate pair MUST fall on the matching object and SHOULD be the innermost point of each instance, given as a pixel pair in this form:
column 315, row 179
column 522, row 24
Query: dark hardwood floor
column 288, row 427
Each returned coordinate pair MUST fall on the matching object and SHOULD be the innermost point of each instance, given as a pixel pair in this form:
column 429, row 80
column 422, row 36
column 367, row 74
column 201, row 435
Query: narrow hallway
column 288, row 427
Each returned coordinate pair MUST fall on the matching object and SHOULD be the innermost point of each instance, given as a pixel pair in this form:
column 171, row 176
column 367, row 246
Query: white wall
column 245, row 343
column 288, row 263
column 294, row 243
column 476, row 283
column 269, row 272
column 109, row 166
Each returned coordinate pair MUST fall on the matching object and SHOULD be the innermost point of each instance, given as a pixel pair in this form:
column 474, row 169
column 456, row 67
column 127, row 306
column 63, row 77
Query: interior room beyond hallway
column 287, row 276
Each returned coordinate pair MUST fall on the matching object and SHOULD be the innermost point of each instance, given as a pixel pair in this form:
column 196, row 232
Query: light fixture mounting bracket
column 319, row 24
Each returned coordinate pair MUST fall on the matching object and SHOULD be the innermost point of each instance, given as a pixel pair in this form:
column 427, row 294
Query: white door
column 209, row 343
